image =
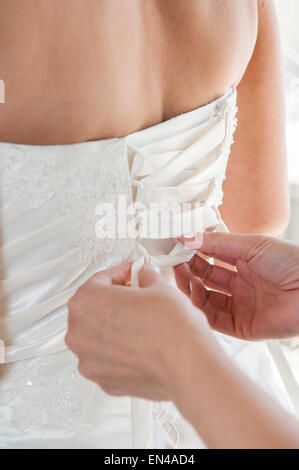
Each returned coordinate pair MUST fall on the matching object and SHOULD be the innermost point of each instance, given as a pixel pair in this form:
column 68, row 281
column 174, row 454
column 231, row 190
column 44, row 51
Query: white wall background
column 288, row 14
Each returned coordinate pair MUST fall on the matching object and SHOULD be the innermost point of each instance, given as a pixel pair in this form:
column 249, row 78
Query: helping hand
column 132, row 341
column 257, row 300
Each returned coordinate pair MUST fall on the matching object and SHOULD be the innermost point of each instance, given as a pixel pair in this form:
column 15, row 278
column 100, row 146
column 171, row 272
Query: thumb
column 227, row 247
column 149, row 275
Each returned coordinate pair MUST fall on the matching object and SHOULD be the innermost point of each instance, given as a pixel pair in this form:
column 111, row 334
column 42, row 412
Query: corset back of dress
column 49, row 196
column 49, row 246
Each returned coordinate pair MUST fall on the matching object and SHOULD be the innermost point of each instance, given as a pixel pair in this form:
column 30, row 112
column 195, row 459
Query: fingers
column 195, row 243
column 226, row 247
column 222, row 322
column 183, row 277
column 150, row 275
column 121, row 276
column 216, row 306
column 210, row 301
column 213, row 276
column 198, row 293
column 218, row 311
column 117, row 275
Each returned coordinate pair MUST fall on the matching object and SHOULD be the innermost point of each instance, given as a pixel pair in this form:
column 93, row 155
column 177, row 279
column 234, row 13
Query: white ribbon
column 285, row 372
column 176, row 177
column 141, row 410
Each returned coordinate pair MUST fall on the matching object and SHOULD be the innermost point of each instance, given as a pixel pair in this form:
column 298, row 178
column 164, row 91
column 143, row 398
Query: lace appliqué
column 166, row 414
column 79, row 178
column 36, row 399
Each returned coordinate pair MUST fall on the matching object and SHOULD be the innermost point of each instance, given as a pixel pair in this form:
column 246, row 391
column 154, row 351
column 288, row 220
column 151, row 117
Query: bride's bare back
column 82, row 70
column 86, row 70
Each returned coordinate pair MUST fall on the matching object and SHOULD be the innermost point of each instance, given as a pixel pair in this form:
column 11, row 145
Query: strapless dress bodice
column 48, row 209
column 49, row 197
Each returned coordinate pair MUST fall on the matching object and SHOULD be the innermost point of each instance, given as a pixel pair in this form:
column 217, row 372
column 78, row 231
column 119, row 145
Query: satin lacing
column 148, row 186
column 202, row 186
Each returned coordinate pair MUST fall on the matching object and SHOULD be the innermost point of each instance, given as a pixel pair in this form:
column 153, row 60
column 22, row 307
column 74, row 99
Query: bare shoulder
column 265, row 65
column 130, row 64
column 209, row 46
column 256, row 174
column 267, row 17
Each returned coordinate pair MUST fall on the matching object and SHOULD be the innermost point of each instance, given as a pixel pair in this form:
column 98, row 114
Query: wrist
column 192, row 348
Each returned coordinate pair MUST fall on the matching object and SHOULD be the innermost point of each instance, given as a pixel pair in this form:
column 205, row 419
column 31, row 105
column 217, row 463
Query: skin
column 105, row 69
column 113, row 331
column 248, row 188
column 258, row 299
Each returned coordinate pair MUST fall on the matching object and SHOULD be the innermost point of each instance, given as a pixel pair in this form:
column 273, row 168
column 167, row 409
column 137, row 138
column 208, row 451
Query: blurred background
column 288, row 15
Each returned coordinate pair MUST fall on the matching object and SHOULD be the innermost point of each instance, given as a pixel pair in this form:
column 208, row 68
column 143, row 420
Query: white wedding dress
column 48, row 196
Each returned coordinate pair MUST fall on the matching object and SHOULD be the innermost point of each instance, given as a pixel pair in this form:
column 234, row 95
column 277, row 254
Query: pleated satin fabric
column 49, row 247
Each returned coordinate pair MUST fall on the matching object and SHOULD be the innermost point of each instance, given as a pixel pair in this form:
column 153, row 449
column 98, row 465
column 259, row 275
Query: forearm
column 255, row 190
column 225, row 407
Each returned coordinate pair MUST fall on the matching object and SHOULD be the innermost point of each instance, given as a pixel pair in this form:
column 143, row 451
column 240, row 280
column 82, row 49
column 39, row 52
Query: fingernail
column 189, row 235
column 154, row 267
